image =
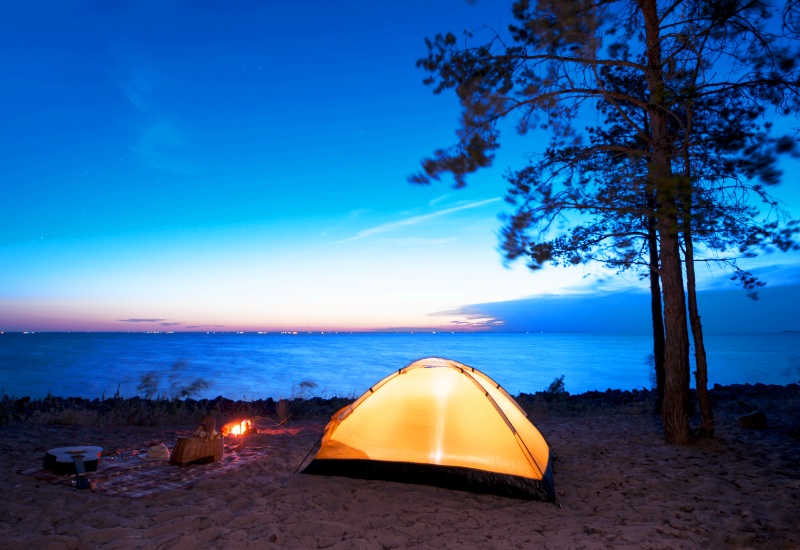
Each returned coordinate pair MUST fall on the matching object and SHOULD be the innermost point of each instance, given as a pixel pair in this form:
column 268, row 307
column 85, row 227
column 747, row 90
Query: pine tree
column 569, row 56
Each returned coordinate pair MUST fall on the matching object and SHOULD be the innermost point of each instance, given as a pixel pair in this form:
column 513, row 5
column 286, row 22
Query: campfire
column 236, row 428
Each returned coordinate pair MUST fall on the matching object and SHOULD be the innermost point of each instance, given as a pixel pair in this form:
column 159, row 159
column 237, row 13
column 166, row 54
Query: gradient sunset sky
column 182, row 165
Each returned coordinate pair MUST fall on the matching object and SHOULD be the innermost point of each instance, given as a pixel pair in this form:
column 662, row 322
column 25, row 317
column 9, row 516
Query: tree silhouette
column 606, row 182
column 656, row 71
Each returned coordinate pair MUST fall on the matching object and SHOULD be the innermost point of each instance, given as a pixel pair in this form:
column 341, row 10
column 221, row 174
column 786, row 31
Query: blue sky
column 176, row 165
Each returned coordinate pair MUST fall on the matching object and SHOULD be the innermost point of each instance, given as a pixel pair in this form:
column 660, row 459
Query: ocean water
column 258, row 366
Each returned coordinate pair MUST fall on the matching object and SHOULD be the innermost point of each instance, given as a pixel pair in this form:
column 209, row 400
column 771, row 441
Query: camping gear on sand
column 196, row 450
column 73, row 460
column 64, row 460
column 204, row 446
column 156, row 453
column 442, row 423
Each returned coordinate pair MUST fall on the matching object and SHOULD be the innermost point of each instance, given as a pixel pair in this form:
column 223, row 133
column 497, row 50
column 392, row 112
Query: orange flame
column 236, row 428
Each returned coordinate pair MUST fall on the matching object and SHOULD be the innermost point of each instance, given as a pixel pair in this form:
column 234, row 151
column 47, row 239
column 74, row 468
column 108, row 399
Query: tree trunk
column 656, row 309
column 674, row 410
column 701, row 374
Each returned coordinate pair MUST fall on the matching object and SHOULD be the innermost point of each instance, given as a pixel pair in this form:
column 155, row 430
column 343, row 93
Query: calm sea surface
column 257, row 366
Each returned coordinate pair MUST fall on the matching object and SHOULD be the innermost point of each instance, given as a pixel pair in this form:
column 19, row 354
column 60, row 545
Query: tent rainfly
column 442, row 423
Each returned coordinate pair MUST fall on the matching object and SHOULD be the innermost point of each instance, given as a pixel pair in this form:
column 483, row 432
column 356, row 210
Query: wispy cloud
column 774, row 271
column 352, row 216
column 416, row 241
column 477, row 322
column 416, row 220
column 162, row 143
column 161, row 322
column 135, row 96
column 437, row 200
column 162, row 146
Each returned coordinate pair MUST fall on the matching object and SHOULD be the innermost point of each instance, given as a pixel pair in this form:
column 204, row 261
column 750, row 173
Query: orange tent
column 442, row 423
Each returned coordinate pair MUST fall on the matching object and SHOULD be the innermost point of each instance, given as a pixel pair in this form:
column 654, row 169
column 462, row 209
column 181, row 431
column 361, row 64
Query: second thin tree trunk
column 701, row 374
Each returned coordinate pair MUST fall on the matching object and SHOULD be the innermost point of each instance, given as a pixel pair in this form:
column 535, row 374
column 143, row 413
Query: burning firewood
column 236, row 428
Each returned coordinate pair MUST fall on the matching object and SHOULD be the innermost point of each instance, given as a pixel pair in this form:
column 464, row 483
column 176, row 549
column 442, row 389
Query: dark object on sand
column 73, row 460
column 197, row 450
column 65, row 460
column 755, row 420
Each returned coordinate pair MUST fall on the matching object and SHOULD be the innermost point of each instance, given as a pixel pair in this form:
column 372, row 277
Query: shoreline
column 128, row 365
column 619, row 486
column 138, row 411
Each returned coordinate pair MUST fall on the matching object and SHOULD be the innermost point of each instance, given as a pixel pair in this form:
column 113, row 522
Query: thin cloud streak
column 415, row 220
column 351, row 217
column 160, row 322
column 437, row 200
column 415, row 241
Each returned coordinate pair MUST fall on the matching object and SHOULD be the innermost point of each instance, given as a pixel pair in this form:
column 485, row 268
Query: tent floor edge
column 448, row 477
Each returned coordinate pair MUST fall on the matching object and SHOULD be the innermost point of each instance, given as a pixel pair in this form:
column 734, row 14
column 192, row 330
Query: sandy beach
column 619, row 486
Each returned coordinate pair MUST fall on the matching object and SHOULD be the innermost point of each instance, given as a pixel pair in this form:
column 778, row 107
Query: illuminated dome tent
column 442, row 423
